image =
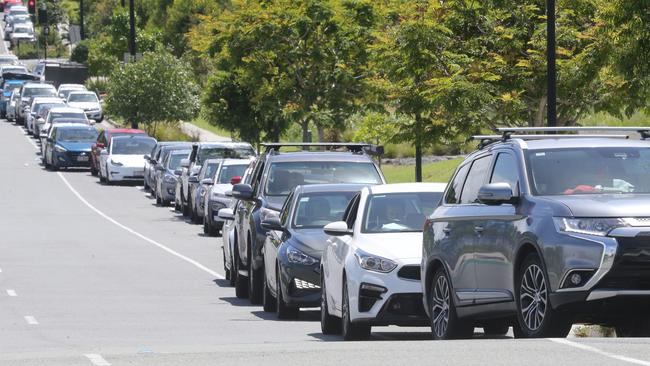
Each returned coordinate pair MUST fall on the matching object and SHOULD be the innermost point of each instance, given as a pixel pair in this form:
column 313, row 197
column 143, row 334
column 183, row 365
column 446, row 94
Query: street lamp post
column 132, row 29
column 82, row 31
column 551, row 71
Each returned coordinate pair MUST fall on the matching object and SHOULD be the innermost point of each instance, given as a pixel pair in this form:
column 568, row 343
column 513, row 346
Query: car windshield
column 589, row 170
column 175, row 160
column 209, row 171
column 399, row 212
column 23, row 30
column 7, row 60
column 86, row 97
column 48, row 92
column 283, row 177
column 76, row 134
column 132, row 146
column 230, row 171
column 222, row 152
column 315, row 210
column 40, row 106
column 75, row 115
column 14, row 68
column 17, row 12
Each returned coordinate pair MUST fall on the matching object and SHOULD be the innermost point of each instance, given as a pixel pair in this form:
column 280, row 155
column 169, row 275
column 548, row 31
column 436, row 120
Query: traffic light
column 31, row 6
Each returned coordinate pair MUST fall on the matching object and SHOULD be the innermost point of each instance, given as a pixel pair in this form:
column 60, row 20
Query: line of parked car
column 534, row 231
column 19, row 28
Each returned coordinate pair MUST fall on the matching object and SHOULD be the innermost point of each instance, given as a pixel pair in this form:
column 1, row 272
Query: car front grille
column 409, row 272
column 631, row 268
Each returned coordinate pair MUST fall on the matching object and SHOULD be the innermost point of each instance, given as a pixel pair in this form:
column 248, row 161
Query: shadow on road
column 238, row 302
column 222, row 283
column 309, row 315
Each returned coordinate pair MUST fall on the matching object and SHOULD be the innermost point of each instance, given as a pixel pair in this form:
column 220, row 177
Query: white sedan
column 125, row 159
column 371, row 267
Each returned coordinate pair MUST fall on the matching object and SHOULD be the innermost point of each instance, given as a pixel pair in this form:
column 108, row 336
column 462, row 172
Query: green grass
column 604, row 119
column 202, row 123
column 433, row 172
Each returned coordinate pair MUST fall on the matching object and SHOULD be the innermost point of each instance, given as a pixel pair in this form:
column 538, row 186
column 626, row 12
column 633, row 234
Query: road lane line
column 12, row 293
column 30, row 320
column 585, row 347
column 97, row 360
column 126, row 228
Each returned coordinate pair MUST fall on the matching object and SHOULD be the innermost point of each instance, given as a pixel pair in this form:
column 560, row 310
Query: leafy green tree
column 158, row 88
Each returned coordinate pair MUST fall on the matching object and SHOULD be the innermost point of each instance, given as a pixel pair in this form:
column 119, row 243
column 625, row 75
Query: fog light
column 576, row 279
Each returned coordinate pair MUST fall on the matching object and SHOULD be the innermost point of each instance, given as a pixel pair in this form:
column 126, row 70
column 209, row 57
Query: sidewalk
column 186, row 127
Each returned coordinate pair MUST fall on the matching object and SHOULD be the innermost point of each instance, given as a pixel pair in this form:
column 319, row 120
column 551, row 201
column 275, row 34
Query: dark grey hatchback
column 540, row 232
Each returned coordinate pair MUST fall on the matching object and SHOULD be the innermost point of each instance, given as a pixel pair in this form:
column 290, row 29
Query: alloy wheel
column 440, row 306
column 533, row 297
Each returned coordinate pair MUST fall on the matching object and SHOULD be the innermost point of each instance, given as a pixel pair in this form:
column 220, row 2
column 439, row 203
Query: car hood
column 84, row 105
column 135, row 161
column 607, row 205
column 391, row 245
column 76, row 146
column 311, row 241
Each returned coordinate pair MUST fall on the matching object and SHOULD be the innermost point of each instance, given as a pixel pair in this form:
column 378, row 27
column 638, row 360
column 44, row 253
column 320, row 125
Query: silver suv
column 540, row 232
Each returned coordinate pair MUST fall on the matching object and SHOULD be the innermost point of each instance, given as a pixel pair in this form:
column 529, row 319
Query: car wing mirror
column 272, row 223
column 193, row 179
column 178, row 172
column 337, row 228
column 242, row 192
column 206, row 181
column 226, row 214
column 496, row 194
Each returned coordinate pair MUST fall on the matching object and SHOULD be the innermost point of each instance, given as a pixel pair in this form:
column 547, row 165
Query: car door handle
column 478, row 229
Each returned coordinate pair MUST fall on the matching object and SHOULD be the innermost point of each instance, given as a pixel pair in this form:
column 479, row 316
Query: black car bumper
column 301, row 284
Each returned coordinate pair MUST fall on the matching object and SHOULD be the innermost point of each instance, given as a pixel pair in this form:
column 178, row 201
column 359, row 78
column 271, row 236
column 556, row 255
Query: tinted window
column 127, row 146
column 76, row 134
column 242, row 152
column 284, row 213
column 283, row 177
column 79, row 115
column 46, row 92
column 475, row 179
column 85, row 97
column 456, row 186
column 506, row 171
column 174, row 161
column 315, row 210
column 209, row 170
column 596, row 170
column 398, row 212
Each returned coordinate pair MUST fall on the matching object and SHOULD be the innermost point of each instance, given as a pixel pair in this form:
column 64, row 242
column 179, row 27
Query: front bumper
column 301, row 285
column 212, row 210
column 167, row 191
column 399, row 304
column 125, row 173
column 72, row 159
column 95, row 115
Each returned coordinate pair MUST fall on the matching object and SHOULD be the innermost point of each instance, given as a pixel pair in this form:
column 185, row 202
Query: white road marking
column 30, row 320
column 126, row 228
column 97, row 360
column 585, row 347
column 12, row 293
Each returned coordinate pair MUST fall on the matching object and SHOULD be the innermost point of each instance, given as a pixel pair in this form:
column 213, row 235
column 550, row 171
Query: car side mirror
column 152, row 161
column 228, row 193
column 185, row 163
column 206, row 181
column 103, row 152
column 272, row 223
column 226, row 214
column 178, row 172
column 496, row 194
column 193, row 179
column 235, row 180
column 242, row 192
column 49, row 139
column 337, row 228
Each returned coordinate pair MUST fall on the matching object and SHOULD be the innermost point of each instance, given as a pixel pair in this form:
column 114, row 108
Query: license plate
column 138, row 173
column 82, row 158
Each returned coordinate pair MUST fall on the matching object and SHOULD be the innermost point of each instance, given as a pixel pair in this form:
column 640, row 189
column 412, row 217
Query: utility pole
column 82, row 31
column 551, row 71
column 132, row 29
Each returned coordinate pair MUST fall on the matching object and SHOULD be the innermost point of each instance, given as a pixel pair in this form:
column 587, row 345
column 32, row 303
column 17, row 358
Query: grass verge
column 202, row 123
column 439, row 172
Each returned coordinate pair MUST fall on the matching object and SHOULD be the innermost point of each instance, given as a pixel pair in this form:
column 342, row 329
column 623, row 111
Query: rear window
column 315, row 210
column 47, row 92
column 283, row 177
column 127, row 146
column 230, row 171
column 79, row 115
column 240, row 152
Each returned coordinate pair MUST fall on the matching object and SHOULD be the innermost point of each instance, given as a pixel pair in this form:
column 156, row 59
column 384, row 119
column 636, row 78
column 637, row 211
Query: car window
column 230, row 171
column 315, row 210
column 174, row 160
column 83, row 97
column 506, row 171
column 475, row 179
column 284, row 213
column 398, row 212
column 76, row 134
column 224, row 152
column 285, row 176
column 350, row 214
column 208, row 170
column 129, row 146
column 456, row 185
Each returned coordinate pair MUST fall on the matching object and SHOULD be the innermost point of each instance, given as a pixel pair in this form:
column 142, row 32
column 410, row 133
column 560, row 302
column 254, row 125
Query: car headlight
column 374, row 263
column 298, row 257
column 590, row 226
column 169, row 179
column 266, row 213
column 60, row 148
column 117, row 163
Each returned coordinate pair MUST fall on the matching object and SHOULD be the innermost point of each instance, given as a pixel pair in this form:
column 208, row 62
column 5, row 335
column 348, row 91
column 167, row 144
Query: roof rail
column 506, row 131
column 486, row 140
column 352, row 147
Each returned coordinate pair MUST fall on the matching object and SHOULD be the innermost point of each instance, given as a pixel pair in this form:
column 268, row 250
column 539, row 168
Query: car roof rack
column 369, row 149
column 541, row 133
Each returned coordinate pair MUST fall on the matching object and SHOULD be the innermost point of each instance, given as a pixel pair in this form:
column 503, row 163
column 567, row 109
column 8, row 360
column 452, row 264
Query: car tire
column 445, row 323
column 268, row 301
column 351, row 331
column 329, row 324
column 177, row 206
column 241, row 282
column 633, row 327
column 282, row 309
column 206, row 228
column 255, row 290
column 186, row 208
column 232, row 271
column 93, row 170
column 226, row 271
column 536, row 317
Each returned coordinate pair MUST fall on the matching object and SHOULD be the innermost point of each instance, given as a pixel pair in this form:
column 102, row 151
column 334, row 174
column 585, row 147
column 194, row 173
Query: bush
column 26, row 51
column 80, row 52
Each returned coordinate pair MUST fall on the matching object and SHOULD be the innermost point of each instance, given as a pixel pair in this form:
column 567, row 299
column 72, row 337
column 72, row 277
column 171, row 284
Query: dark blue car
column 68, row 146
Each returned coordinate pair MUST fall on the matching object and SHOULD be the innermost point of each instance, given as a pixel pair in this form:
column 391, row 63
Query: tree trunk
column 539, row 116
column 418, row 148
column 321, row 133
column 134, row 124
column 306, row 134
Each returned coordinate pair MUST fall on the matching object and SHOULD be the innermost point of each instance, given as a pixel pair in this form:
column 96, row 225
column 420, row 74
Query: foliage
column 27, row 51
column 158, row 88
column 80, row 52
column 100, row 60
column 374, row 127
